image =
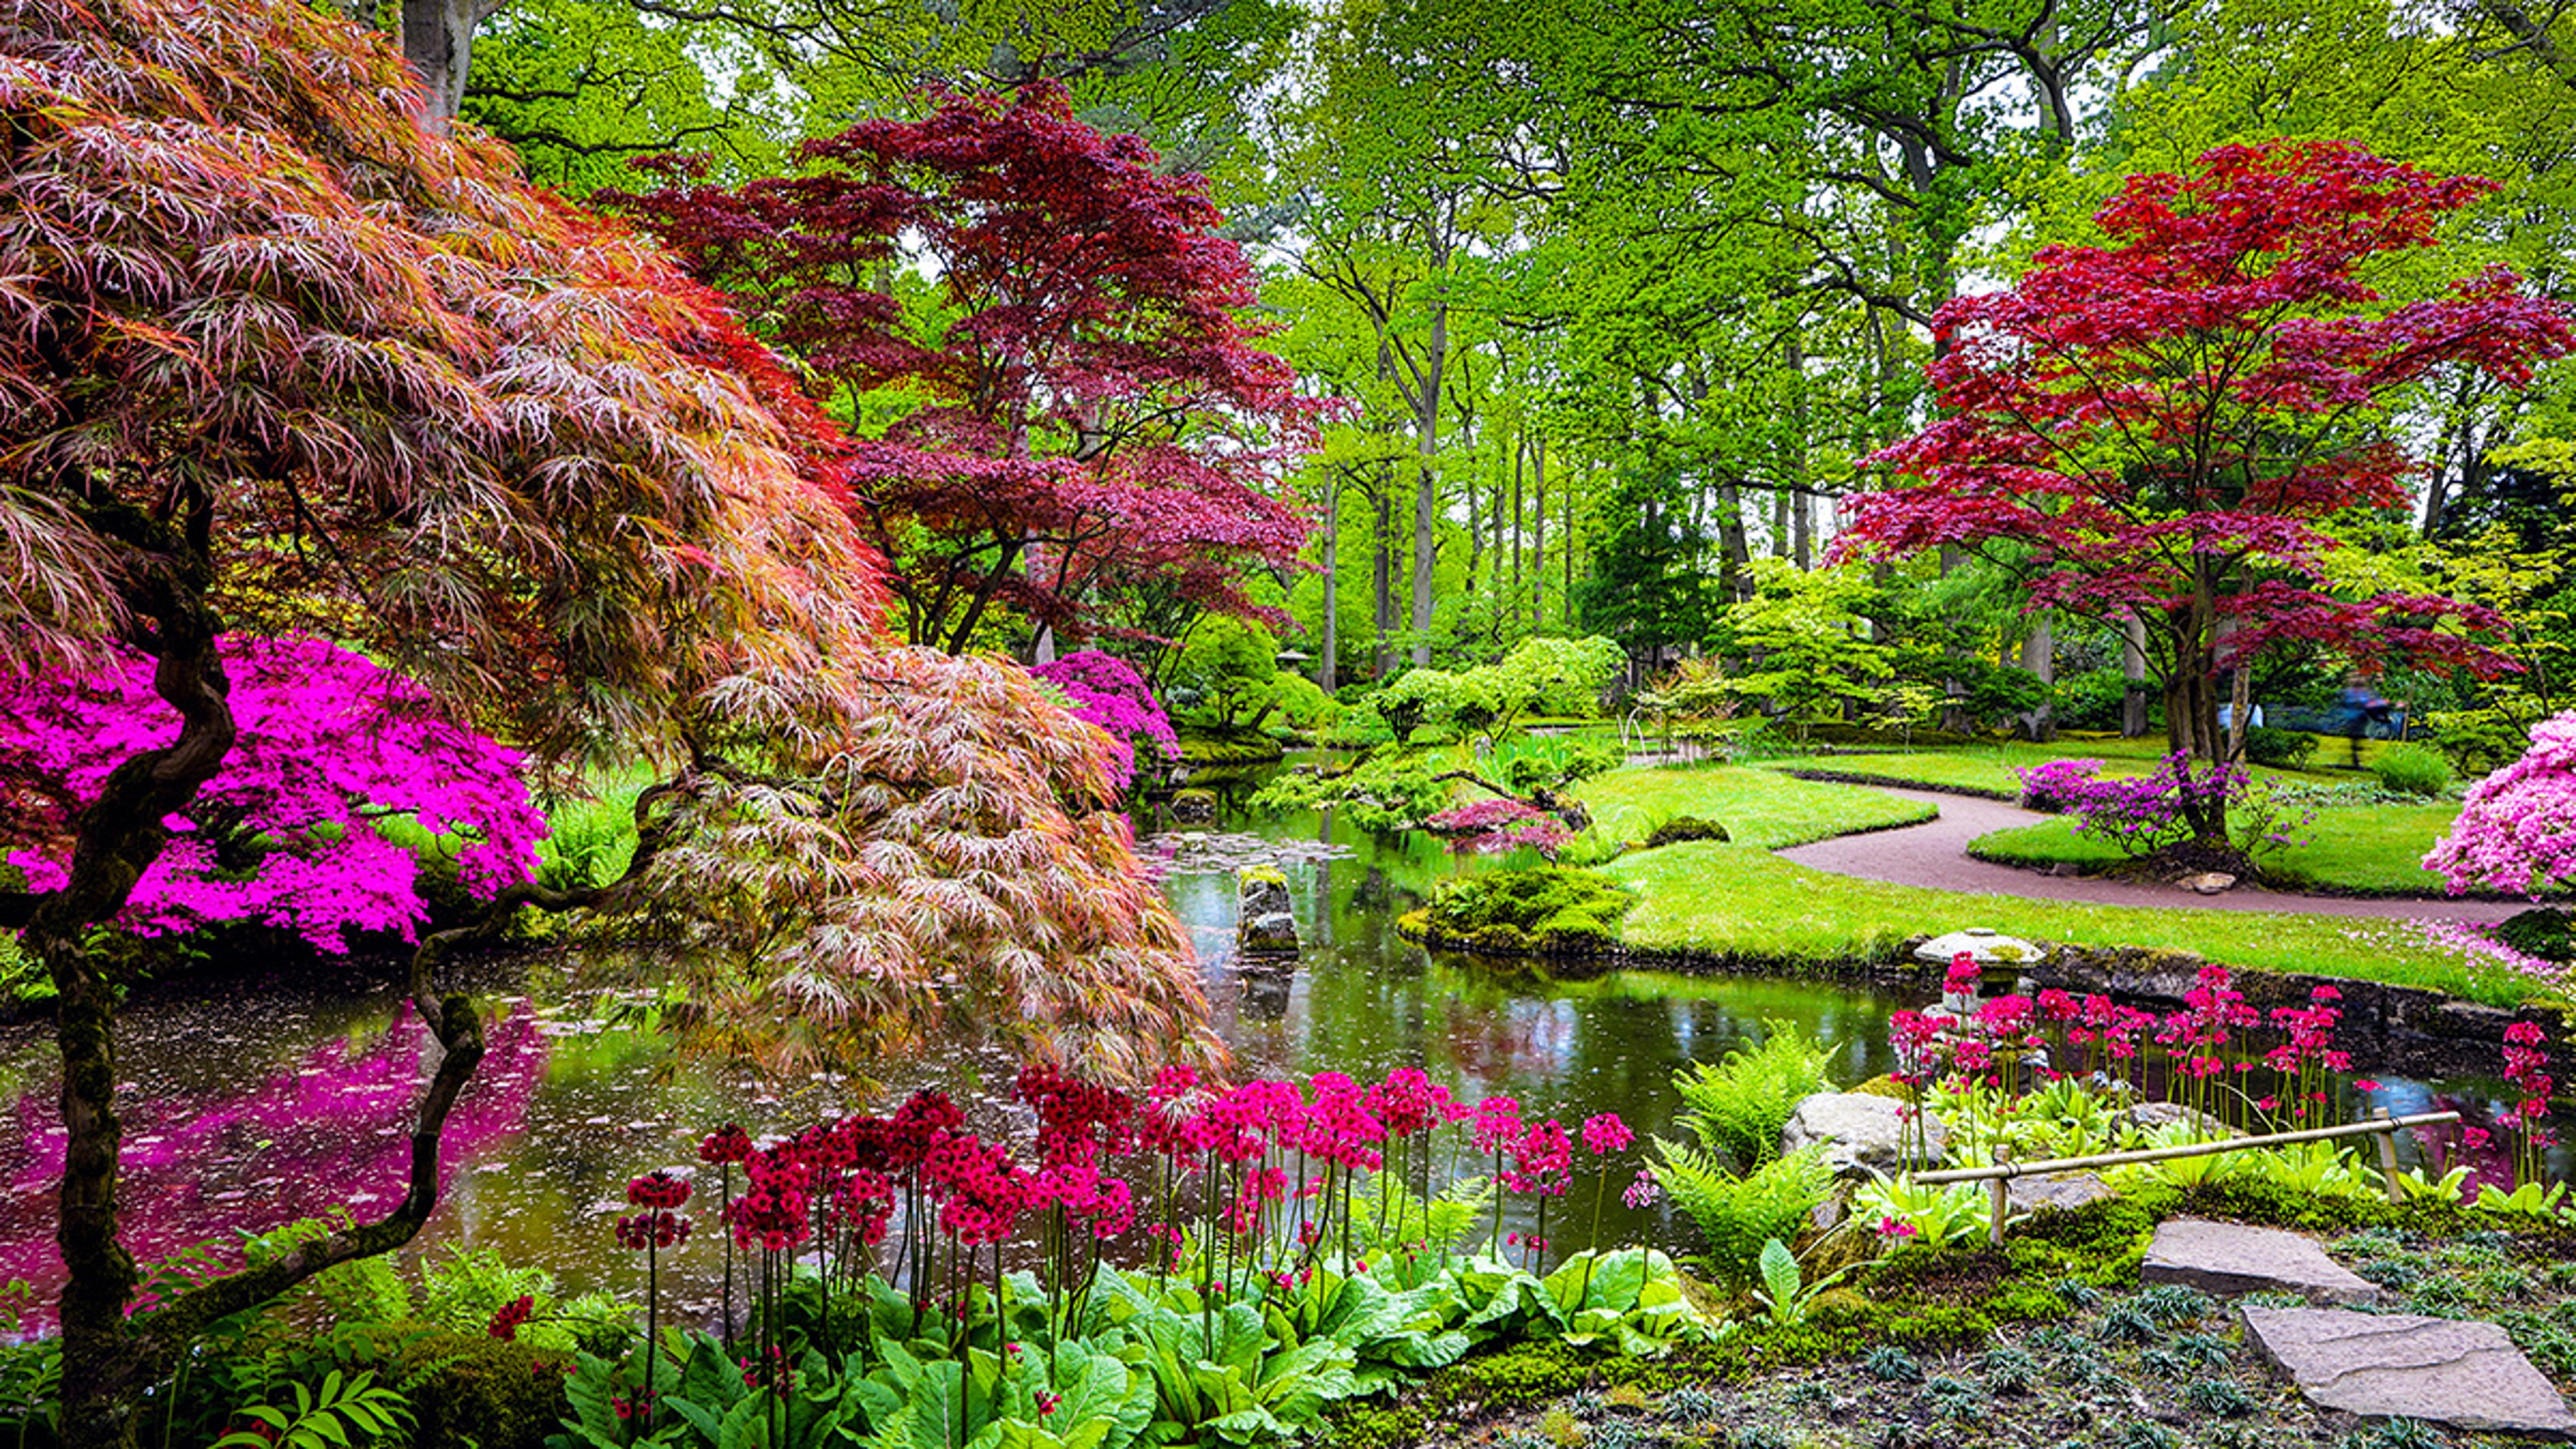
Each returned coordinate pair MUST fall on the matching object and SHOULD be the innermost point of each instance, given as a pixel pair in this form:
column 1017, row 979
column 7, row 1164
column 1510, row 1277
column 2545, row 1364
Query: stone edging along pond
column 2400, row 1029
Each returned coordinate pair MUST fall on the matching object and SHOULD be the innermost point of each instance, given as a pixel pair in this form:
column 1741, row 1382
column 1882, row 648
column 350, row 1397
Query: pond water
column 271, row 1100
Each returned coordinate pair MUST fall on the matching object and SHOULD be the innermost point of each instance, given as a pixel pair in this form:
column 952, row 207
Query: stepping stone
column 2459, row 1374
column 2231, row 1258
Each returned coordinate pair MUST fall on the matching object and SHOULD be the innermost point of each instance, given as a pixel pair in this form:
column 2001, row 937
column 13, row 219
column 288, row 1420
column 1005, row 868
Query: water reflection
column 266, row 1105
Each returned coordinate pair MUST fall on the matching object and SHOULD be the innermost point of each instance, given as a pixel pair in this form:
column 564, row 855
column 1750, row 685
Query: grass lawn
column 1990, row 768
column 2374, row 849
column 1742, row 900
column 1763, row 809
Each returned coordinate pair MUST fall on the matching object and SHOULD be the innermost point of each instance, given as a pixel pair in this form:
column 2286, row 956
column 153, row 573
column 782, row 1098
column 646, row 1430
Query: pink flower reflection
column 333, row 1132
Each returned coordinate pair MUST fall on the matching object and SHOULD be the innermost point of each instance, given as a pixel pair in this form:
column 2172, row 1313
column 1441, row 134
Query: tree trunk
column 1426, row 490
column 1384, row 580
column 438, row 40
column 2039, row 657
column 1538, row 532
column 1329, row 676
column 2133, row 670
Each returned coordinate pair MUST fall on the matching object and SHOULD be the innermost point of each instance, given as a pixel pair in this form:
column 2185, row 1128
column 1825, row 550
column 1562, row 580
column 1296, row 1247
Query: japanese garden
column 956, row 724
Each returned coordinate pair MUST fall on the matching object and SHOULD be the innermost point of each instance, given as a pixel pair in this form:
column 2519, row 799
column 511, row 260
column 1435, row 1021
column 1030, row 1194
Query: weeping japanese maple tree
column 2161, row 428
column 1038, row 336
column 277, row 362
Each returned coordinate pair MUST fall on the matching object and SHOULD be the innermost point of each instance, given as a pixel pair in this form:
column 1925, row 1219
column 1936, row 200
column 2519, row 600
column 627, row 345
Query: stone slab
column 2231, row 1258
column 2463, row 1375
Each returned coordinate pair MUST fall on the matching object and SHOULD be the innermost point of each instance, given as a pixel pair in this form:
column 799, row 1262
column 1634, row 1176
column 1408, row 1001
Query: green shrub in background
column 2279, row 749
column 1738, row 1105
column 2412, row 770
column 1684, row 827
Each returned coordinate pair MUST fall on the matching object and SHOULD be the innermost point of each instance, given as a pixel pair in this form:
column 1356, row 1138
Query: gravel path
column 1935, row 854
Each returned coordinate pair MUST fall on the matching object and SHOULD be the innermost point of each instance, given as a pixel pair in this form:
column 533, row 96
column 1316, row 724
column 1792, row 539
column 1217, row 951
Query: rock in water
column 2230, row 1258
column 1194, row 807
column 2398, row 1365
column 1264, row 924
column 1860, row 1132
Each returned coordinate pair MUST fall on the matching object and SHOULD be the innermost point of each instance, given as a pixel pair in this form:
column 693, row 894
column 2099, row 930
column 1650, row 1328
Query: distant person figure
column 2361, row 707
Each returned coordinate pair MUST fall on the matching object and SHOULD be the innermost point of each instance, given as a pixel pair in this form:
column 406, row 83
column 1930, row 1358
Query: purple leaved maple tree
column 1060, row 407
column 2158, row 429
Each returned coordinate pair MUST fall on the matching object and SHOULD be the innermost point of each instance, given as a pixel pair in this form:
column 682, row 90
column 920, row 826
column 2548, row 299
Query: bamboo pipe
column 2187, row 1149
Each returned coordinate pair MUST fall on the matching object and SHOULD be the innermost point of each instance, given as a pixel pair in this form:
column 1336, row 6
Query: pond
column 273, row 1099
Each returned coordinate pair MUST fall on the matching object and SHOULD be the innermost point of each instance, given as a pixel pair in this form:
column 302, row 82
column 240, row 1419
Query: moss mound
column 1547, row 910
column 1685, row 827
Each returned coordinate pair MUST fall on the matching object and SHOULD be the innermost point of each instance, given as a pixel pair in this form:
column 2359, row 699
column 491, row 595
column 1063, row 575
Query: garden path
column 1935, row 854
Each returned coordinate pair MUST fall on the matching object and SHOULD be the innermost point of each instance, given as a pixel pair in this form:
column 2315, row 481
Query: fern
column 1739, row 1105
column 1737, row 1215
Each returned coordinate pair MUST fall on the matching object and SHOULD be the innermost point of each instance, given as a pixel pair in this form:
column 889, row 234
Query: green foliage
column 2277, row 748
column 1684, row 827
column 1547, row 909
column 1958, row 1212
column 1806, row 628
column 2543, row 931
column 1784, row 1293
column 495, row 1393
column 1390, row 788
column 336, row 1414
column 2412, row 770
column 1737, row 1214
column 1738, row 1105
column 1527, row 764
column 1227, row 675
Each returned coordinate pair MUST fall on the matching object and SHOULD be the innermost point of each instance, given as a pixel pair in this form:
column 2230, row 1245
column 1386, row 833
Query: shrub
column 2541, row 932
column 2412, row 770
column 2279, row 749
column 2055, row 787
column 1545, row 909
column 1738, row 1105
column 487, row 1391
column 1685, row 827
column 2091, row 700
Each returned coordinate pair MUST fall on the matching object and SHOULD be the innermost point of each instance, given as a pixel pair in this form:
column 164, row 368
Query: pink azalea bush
column 2143, row 814
column 2517, row 827
column 1490, row 827
column 1106, row 691
column 283, row 835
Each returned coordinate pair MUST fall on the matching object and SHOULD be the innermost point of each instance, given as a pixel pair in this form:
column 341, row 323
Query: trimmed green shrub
column 2280, row 749
column 1685, row 827
column 486, row 1391
column 2541, row 932
column 2412, row 770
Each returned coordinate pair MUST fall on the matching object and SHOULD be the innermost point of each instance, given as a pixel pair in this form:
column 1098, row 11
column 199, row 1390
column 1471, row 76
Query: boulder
column 2148, row 1116
column 2209, row 882
column 2057, row 1192
column 1860, row 1133
column 2231, row 1258
column 2462, row 1375
column 1263, row 920
column 1194, row 807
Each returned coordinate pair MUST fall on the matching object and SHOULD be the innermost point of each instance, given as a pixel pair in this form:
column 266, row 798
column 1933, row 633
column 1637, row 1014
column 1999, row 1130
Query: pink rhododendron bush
column 1106, row 691
column 2517, row 828
column 284, row 834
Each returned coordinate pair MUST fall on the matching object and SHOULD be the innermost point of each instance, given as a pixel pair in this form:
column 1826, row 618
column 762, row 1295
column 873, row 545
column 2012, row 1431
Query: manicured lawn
column 1990, row 768
column 2375, row 849
column 1744, row 901
column 1763, row 809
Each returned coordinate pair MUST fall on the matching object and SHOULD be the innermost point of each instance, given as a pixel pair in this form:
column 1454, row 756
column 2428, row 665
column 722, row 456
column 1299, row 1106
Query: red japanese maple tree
column 2161, row 427
column 1074, row 410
